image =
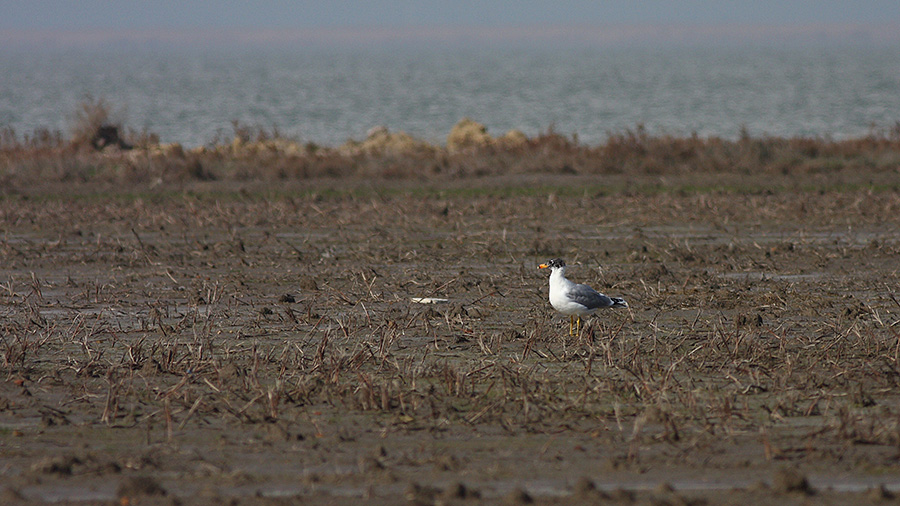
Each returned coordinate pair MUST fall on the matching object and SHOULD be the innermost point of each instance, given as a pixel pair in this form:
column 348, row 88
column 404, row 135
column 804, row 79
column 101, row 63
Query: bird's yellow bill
column 543, row 266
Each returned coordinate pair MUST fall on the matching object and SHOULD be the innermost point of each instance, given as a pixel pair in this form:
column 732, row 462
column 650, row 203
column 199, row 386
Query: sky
column 96, row 21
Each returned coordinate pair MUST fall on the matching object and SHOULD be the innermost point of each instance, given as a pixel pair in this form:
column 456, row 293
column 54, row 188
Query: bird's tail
column 618, row 302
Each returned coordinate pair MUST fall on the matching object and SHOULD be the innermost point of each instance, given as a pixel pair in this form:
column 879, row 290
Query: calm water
column 329, row 96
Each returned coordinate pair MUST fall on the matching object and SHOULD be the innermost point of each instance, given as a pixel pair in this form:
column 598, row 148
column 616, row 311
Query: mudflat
column 259, row 343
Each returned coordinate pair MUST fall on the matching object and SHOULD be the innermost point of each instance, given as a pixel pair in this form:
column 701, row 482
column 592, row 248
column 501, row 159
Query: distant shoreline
column 524, row 36
column 630, row 161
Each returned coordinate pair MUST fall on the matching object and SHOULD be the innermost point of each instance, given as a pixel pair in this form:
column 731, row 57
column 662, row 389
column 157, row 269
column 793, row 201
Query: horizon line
column 887, row 33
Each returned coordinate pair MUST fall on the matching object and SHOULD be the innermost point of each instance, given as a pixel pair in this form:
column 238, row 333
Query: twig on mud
column 442, row 287
column 482, row 368
column 205, row 380
column 296, row 249
column 369, row 284
column 250, row 403
column 891, row 295
column 479, row 299
column 168, row 412
column 474, row 418
column 140, row 242
column 169, row 274
column 343, row 297
column 35, row 288
column 318, row 322
column 111, row 406
column 190, row 413
column 177, row 387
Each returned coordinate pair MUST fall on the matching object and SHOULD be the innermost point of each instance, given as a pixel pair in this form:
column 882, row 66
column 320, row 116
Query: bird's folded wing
column 588, row 297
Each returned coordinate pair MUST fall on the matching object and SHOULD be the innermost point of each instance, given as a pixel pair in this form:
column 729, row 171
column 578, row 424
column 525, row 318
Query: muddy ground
column 234, row 342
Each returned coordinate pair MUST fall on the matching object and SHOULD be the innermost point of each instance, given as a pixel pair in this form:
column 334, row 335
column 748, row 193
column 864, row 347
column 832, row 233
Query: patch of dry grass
column 193, row 331
column 256, row 153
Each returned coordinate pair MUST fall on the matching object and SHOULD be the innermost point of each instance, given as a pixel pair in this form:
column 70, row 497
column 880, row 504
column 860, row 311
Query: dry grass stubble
column 197, row 339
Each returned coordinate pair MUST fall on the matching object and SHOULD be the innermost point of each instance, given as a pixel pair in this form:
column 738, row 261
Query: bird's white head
column 554, row 265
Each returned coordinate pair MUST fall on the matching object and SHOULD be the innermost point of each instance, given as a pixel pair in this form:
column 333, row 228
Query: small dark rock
column 61, row 465
column 448, row 463
column 749, row 320
column 790, row 480
column 368, row 464
column 621, row 495
column 584, row 485
column 136, row 486
column 420, row 494
column 228, row 371
column 517, row 496
column 54, row 419
column 459, row 491
column 586, row 492
column 664, row 488
column 108, row 135
column 511, row 335
column 277, row 432
column 308, row 283
column 11, row 496
column 880, row 493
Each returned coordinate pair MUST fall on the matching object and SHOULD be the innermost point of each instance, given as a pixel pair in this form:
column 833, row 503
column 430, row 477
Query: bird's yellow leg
column 571, row 323
column 578, row 326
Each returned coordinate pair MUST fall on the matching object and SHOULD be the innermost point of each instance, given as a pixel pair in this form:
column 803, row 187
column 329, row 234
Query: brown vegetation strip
column 97, row 152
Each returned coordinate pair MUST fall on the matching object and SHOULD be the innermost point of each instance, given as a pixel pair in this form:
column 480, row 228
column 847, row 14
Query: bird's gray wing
column 589, row 298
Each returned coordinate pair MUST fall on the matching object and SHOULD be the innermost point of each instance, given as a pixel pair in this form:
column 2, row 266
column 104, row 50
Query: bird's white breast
column 559, row 289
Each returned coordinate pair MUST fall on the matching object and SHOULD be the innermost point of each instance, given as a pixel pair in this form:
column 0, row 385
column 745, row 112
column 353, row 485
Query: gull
column 575, row 299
